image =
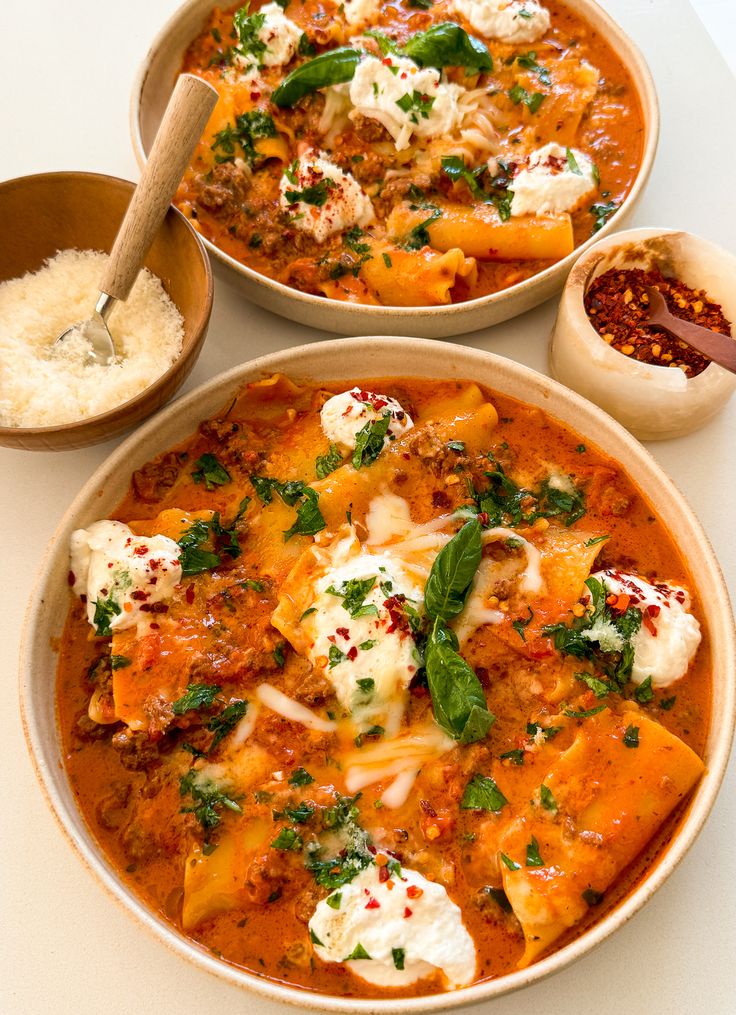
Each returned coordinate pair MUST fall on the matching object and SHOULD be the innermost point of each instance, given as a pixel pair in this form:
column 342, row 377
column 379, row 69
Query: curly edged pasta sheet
column 408, row 153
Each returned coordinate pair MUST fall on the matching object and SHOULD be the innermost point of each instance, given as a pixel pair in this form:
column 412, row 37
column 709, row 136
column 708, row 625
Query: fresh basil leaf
column 330, row 68
column 602, row 212
column 448, row 45
column 452, row 573
column 458, row 701
column 482, row 794
column 197, row 696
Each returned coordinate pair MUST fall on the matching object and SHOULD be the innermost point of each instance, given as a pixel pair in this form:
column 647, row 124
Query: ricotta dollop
column 669, row 636
column 127, row 575
column 331, row 200
column 344, row 415
column 554, row 180
column 278, row 34
column 408, row 100
column 405, row 927
column 507, row 20
column 358, row 12
column 363, row 644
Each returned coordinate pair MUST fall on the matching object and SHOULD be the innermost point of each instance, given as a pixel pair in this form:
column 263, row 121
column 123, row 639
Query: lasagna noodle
column 479, row 232
column 611, row 799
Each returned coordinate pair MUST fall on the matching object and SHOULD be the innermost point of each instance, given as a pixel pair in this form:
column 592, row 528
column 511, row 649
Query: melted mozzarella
column 667, row 641
column 381, row 89
column 278, row 34
column 507, row 20
column 282, row 704
column 547, row 185
column 132, row 573
column 345, row 203
column 358, row 12
column 369, row 659
column 413, row 914
column 402, row 756
column 343, row 415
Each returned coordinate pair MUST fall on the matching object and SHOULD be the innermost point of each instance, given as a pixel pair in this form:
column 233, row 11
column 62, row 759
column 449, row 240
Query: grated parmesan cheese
column 41, row 387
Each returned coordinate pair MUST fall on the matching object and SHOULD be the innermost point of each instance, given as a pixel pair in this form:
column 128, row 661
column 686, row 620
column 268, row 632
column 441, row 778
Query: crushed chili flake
column 407, row 912
column 373, row 904
column 414, row 892
column 618, row 306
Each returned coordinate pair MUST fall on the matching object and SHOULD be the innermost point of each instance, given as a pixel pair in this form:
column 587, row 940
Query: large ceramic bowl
column 352, row 359
column 151, row 91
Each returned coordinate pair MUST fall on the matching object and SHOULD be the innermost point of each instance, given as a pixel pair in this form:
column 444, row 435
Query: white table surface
column 66, row 947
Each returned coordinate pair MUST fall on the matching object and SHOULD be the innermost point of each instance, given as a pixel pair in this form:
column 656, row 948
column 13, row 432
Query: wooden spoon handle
column 717, row 347
column 184, row 120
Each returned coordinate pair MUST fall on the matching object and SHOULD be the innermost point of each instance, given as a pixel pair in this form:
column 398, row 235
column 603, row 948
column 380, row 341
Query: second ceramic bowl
column 151, row 92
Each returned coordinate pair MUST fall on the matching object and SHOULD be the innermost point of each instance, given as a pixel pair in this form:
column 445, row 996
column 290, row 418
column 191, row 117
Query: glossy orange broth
column 231, row 211
column 135, row 813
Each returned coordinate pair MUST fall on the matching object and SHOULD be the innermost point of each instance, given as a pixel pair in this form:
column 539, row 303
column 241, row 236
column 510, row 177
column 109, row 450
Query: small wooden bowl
column 49, row 212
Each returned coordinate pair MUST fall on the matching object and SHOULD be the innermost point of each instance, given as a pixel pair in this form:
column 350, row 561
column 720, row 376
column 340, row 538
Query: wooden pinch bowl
column 44, row 214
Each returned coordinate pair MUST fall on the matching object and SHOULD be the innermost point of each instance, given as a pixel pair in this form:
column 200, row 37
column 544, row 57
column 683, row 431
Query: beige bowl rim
column 346, row 359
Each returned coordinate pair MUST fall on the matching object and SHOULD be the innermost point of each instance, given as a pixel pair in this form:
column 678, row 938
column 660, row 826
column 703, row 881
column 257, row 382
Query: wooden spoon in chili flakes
column 716, row 346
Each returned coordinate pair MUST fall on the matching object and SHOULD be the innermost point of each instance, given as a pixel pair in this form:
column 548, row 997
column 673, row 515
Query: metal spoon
column 183, row 121
column 716, row 346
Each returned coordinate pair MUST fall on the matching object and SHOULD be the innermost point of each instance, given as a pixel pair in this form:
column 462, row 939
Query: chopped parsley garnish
column 247, row 130
column 211, row 472
column 248, row 27
column 207, row 799
column 416, row 104
column 105, row 611
column 353, row 593
column 313, row 937
column 516, row 756
column 602, row 212
column 585, row 713
column 667, row 703
column 193, row 558
column 326, row 464
column 495, row 191
column 300, row 777
column 317, row 194
column 457, row 446
column 482, row 794
column 533, row 859
column 358, row 952
column 592, row 897
column 309, row 519
column 335, row 656
column 197, row 696
column 601, row 636
column 369, row 441
column 532, row 100
column 644, row 693
column 505, row 503
column 599, row 688
column 533, row 728
column 387, row 260
column 595, row 540
column 631, row 736
column 337, row 870
column 572, row 163
column 289, row 491
column 251, row 583
column 224, row 723
column 520, row 625
column 119, row 662
column 529, row 62
column 288, row 839
column 334, row 900
column 508, row 862
column 547, row 799
column 399, row 956
column 366, row 684
column 418, row 236
column 278, row 654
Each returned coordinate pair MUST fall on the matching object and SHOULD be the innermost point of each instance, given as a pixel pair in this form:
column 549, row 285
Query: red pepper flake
column 617, row 307
column 139, row 595
column 414, row 892
column 352, row 653
column 649, row 624
column 373, row 904
column 407, row 912
column 383, row 874
column 653, row 610
column 343, row 632
column 189, row 594
column 71, row 578
column 140, row 551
